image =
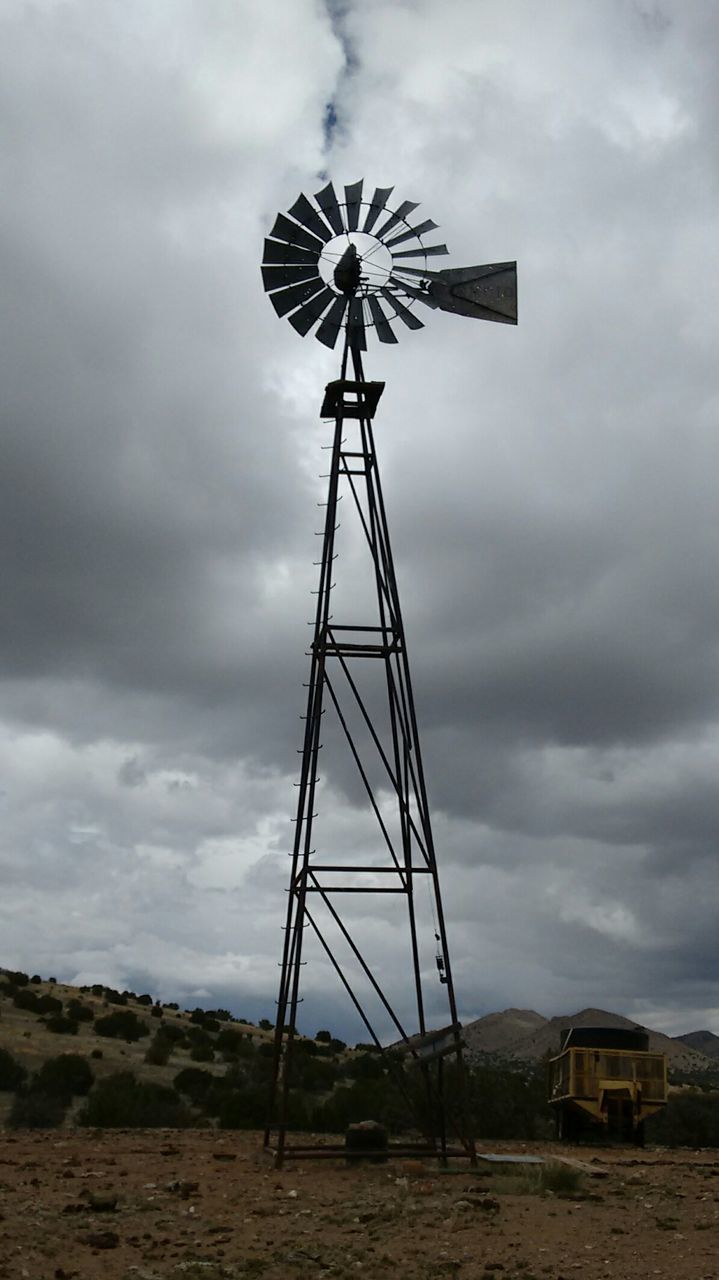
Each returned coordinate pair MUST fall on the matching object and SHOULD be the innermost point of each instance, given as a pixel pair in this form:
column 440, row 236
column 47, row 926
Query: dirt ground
column 146, row 1205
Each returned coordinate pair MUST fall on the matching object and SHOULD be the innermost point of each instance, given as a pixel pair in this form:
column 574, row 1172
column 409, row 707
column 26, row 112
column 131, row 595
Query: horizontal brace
column 375, row 871
column 324, row 888
column 344, row 626
column 358, row 650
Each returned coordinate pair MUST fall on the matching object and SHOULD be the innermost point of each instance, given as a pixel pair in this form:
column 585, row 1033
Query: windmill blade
column 405, row 208
column 331, row 327
column 412, row 292
column 377, row 204
column 327, row 200
column 305, row 317
column 288, row 299
column 355, row 325
column 381, row 323
column 421, row 230
column 408, row 317
column 293, row 234
column 303, row 212
column 413, row 271
column 486, row 293
column 289, row 254
column 353, row 199
column 429, row 251
column 278, row 277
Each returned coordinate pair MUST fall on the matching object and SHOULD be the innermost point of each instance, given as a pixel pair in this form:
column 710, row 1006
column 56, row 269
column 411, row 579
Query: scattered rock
column 183, row 1189
column 101, row 1202
column 100, row 1239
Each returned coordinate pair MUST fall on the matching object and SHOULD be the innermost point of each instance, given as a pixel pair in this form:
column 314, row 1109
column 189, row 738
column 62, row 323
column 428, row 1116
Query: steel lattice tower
column 324, row 267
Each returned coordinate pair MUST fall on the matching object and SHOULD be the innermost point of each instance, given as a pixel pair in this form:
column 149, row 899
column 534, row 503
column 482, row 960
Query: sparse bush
column 194, row 1083
column 159, row 1051
column 202, row 1053
column 66, row 1076
column 688, row 1120
column 171, row 1032
column 27, row 1000
column 123, row 1025
column 121, row 1101
column 323, row 1036
column 264, row 1024
column 48, row 1004
column 35, row 1110
column 337, row 1046
column 229, row 1041
column 36, row 978
column 114, row 997
column 12, row 1073
column 172, row 1004
column 18, row 978
column 61, row 1025
column 79, row 1012
column 198, row 1036
column 156, row 1011
column 144, row 1000
column 97, row 989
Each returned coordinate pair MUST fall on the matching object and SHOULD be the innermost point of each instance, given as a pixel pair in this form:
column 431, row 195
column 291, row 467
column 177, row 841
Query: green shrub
column 121, row 1101
column 114, row 997
column 194, row 1083
column 61, row 1025
column 79, row 1012
column 17, row 977
column 159, row 1051
column 48, row 1004
column 230, row 1041
column 247, row 1108
column 27, row 1000
column 202, row 1053
column 688, row 1120
column 198, row 1036
column 171, row 1032
column 145, row 1000
column 36, row 1110
column 122, row 1025
column 12, row 1073
column 67, row 1075
column 323, row 1036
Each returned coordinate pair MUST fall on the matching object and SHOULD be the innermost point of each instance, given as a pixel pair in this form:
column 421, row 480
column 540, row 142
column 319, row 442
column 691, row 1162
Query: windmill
column 349, row 267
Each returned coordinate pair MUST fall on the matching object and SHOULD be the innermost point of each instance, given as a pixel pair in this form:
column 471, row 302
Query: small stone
column 101, row 1239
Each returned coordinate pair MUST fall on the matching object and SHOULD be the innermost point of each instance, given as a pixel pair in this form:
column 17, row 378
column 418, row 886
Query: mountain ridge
column 524, row 1035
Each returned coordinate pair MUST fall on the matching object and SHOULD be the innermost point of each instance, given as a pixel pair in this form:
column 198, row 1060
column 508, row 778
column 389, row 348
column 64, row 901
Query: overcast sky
column 551, row 489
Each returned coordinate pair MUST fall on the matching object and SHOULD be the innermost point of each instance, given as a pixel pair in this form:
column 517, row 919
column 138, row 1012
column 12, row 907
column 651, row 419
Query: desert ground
column 146, row 1205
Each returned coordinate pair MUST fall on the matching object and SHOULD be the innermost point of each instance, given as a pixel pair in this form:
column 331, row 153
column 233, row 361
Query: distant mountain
column 703, row 1041
column 523, row 1035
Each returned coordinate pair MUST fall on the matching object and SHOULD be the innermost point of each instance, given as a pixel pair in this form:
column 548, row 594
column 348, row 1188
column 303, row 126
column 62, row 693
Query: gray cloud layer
column 551, row 490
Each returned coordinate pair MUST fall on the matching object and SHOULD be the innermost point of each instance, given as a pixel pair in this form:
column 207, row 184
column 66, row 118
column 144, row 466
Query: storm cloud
column 551, row 490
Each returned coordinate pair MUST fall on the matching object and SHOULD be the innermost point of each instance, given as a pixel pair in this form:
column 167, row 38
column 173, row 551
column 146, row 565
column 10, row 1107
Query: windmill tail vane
column 349, row 265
